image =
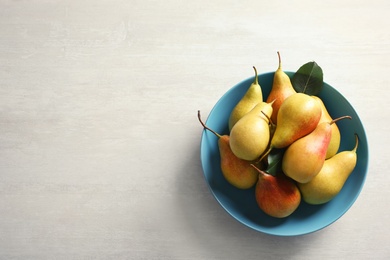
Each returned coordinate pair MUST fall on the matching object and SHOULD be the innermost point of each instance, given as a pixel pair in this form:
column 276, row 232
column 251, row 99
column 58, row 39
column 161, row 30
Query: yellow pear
column 281, row 89
column 331, row 179
column 298, row 116
column 252, row 97
column 304, row 158
column 236, row 171
column 250, row 136
column 335, row 138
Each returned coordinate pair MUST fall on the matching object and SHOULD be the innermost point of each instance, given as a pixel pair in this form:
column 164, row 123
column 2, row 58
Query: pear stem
column 257, row 169
column 280, row 61
column 357, row 143
column 205, row 127
column 339, row 118
column 265, row 154
column 256, row 77
column 269, row 119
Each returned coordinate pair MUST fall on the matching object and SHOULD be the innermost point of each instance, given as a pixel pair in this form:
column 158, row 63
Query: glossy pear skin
column 281, row 89
column 331, row 179
column 250, row 136
column 298, row 116
column 252, row 97
column 237, row 172
column 335, row 139
column 304, row 158
column 278, row 196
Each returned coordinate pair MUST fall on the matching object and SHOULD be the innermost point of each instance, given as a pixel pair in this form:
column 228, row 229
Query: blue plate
column 241, row 204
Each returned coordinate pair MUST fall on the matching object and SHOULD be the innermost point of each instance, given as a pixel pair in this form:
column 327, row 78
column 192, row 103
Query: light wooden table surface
column 99, row 140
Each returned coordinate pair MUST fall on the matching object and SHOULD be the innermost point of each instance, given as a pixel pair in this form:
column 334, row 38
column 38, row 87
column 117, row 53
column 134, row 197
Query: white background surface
column 99, row 140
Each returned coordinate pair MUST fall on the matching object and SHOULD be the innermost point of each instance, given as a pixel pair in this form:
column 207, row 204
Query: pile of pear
column 312, row 168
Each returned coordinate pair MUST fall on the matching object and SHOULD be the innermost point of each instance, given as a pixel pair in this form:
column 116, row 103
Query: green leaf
column 308, row 79
column 275, row 161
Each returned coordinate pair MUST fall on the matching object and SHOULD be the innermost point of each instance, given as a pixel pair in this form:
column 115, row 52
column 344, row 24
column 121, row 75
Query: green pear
column 278, row 196
column 281, row 89
column 236, row 171
column 298, row 116
column 250, row 136
column 331, row 179
column 304, row 158
column 335, row 138
column 252, row 97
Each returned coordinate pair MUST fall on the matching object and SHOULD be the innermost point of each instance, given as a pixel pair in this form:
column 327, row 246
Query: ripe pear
column 331, row 179
column 278, row 196
column 281, row 89
column 335, row 138
column 252, row 97
column 237, row 172
column 250, row 136
column 298, row 116
column 304, row 158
